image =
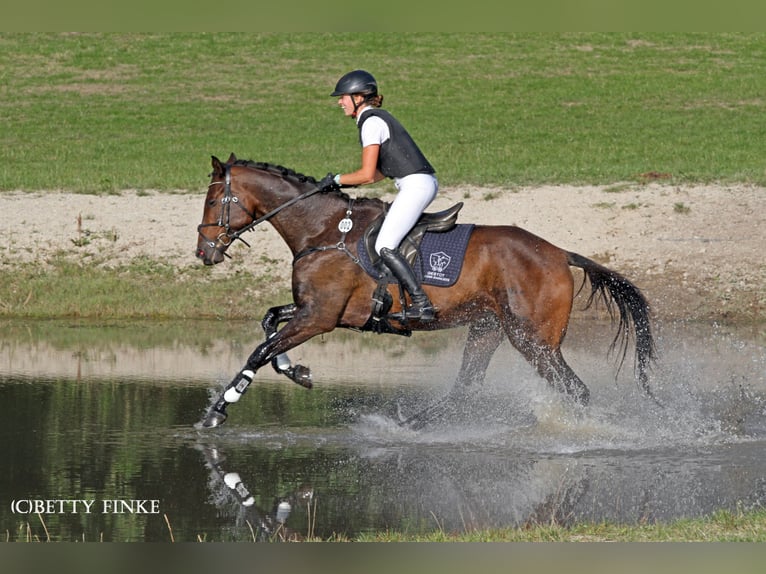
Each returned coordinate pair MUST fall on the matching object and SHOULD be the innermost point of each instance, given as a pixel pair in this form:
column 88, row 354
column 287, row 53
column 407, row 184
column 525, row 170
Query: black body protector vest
column 399, row 154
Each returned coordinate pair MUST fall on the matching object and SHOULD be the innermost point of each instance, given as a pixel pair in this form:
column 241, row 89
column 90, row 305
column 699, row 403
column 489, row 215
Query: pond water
column 99, row 439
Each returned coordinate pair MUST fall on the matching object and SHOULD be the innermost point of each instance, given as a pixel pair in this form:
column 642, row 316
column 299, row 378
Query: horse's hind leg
column 535, row 319
column 484, row 337
column 553, row 368
column 281, row 363
column 543, row 351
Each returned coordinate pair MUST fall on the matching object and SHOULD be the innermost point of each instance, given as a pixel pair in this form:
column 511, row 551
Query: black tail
column 633, row 313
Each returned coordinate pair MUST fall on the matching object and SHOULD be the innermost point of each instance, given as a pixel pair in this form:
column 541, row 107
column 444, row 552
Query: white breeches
column 416, row 192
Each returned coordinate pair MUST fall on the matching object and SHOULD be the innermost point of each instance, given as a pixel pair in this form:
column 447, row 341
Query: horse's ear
column 217, row 166
column 232, row 158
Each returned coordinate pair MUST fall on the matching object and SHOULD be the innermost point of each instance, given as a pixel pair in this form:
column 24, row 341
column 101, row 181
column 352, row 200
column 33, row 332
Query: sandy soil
column 697, row 251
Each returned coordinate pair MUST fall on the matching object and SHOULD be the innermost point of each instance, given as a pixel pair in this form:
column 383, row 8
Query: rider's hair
column 375, row 100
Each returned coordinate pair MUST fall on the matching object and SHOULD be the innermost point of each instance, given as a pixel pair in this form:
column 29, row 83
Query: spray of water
column 711, row 385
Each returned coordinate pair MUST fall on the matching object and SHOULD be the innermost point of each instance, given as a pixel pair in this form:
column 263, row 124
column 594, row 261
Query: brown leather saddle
column 433, row 222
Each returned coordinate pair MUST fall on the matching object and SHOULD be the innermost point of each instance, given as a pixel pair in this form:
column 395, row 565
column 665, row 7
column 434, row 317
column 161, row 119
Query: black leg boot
column 421, row 308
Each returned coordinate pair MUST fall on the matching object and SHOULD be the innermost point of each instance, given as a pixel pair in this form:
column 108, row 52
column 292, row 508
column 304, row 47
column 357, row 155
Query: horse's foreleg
column 297, row 331
column 216, row 415
column 484, row 337
column 281, row 363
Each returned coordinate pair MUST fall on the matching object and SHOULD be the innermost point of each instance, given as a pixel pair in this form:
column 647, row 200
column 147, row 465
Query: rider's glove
column 329, row 182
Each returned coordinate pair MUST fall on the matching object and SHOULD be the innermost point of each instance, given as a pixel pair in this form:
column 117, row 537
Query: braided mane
column 277, row 169
column 287, row 173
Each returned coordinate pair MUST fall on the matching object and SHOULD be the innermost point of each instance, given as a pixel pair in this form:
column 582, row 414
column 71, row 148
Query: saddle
column 436, row 222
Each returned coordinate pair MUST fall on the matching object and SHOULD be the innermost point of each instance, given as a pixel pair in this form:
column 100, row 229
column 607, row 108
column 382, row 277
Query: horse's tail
column 633, row 313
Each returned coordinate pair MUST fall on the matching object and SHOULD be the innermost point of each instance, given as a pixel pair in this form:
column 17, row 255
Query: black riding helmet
column 356, row 82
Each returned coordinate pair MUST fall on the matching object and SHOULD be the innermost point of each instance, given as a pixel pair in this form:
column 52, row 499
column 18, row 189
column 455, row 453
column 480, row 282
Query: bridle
column 227, row 236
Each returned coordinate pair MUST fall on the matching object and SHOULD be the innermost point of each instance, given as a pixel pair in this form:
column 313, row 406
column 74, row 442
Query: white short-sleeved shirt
column 374, row 131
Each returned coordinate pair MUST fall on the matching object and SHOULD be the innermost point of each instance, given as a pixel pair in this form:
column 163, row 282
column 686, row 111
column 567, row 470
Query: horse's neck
column 311, row 222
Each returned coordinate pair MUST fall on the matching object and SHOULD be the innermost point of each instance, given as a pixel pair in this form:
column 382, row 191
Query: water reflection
column 264, row 524
column 107, row 413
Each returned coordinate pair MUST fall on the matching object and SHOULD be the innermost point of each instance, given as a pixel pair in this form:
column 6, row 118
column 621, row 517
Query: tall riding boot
column 421, row 308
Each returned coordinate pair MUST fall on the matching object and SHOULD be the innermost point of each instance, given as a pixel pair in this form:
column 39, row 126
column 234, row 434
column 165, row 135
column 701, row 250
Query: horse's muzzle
column 209, row 255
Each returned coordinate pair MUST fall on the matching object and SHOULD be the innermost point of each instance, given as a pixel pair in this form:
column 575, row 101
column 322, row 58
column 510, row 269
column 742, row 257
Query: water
column 104, row 415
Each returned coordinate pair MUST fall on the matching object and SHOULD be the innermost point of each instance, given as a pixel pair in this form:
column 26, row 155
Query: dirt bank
column 696, row 251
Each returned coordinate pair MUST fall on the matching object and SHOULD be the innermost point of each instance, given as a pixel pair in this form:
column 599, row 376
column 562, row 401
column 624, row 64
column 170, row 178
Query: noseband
column 227, row 236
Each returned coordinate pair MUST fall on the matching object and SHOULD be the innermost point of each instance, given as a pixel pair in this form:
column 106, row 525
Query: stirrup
column 425, row 314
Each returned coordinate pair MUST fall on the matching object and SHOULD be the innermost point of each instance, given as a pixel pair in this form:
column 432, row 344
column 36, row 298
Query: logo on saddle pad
column 439, row 261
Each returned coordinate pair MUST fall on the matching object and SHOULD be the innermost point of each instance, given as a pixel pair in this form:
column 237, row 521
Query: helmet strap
column 357, row 105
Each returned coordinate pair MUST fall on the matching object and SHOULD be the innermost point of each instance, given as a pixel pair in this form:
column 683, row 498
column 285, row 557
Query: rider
column 388, row 151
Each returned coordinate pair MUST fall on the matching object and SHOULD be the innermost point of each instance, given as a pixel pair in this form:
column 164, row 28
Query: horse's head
column 243, row 194
column 224, row 215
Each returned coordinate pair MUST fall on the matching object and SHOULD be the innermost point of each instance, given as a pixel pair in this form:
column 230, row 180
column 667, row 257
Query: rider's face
column 346, row 101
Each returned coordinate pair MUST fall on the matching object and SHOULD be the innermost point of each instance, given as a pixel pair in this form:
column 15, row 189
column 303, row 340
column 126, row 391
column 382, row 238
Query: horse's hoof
column 302, row 376
column 413, row 423
column 214, row 418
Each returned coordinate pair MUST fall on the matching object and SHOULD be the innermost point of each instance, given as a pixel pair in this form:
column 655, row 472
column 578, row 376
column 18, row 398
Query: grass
column 722, row 526
column 141, row 289
column 103, row 112
column 98, row 113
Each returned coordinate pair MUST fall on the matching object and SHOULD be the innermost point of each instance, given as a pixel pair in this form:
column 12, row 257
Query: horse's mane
column 287, row 173
column 282, row 171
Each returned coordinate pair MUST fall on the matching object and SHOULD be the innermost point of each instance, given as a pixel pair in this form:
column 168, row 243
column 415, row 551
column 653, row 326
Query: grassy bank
column 106, row 112
column 723, row 526
column 141, row 289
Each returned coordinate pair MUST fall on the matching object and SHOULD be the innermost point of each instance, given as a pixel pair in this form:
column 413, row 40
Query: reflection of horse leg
column 265, row 526
column 281, row 363
column 484, row 337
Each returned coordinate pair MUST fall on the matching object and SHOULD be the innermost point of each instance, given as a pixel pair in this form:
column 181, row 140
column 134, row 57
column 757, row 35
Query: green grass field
column 104, row 112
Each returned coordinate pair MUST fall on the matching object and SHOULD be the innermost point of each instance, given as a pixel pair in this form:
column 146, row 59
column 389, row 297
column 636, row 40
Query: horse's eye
column 211, row 202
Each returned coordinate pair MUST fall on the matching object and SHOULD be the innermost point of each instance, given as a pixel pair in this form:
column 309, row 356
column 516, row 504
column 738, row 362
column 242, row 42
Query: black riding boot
column 421, row 308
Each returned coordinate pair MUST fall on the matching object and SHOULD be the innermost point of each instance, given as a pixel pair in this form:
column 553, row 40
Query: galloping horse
column 512, row 283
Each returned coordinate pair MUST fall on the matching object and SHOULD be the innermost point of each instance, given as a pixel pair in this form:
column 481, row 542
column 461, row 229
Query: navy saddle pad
column 440, row 257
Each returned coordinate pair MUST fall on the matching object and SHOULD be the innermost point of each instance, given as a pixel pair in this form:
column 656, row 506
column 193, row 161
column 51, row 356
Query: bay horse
column 513, row 284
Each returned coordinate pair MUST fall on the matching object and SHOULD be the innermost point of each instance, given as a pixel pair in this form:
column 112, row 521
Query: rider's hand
column 328, row 183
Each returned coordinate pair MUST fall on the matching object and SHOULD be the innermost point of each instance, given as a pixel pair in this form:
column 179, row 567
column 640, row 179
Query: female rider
column 388, row 151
